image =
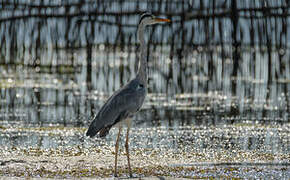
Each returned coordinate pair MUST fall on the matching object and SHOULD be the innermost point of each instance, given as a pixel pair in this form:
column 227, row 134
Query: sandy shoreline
column 100, row 165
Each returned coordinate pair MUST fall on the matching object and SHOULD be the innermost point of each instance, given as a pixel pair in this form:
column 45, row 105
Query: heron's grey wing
column 117, row 107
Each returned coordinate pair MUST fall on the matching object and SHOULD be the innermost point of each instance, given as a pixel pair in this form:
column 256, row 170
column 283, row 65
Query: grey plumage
column 123, row 103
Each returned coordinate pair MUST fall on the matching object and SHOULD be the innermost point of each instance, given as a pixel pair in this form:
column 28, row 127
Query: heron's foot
column 130, row 173
column 115, row 174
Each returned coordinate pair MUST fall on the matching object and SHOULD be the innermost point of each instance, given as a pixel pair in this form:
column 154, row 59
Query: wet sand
column 100, row 165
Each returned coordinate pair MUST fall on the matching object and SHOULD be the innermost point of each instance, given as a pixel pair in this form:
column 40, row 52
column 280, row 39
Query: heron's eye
column 140, row 86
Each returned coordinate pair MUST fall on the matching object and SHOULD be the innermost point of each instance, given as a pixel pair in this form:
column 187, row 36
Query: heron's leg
column 117, row 149
column 127, row 146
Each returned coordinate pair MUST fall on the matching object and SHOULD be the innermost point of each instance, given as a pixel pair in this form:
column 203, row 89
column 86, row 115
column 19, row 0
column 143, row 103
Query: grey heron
column 125, row 102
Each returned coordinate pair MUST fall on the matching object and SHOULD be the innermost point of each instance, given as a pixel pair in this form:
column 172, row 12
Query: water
column 218, row 101
column 184, row 151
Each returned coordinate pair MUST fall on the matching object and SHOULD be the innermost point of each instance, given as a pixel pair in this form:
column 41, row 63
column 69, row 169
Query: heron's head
column 149, row 19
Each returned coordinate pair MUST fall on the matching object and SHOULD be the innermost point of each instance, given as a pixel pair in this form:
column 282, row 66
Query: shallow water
column 186, row 151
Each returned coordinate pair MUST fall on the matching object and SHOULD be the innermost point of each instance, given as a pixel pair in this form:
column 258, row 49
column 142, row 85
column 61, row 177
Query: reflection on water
column 264, row 139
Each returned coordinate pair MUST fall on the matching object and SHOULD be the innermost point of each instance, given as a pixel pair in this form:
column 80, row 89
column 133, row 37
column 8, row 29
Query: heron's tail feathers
column 92, row 131
column 95, row 128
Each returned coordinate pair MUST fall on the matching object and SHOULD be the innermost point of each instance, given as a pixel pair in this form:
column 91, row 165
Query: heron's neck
column 142, row 70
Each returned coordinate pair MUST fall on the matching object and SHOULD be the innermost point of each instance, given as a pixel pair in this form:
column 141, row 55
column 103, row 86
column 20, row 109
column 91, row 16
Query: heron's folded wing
column 115, row 109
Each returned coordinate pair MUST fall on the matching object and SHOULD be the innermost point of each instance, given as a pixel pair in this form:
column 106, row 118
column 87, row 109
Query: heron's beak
column 162, row 20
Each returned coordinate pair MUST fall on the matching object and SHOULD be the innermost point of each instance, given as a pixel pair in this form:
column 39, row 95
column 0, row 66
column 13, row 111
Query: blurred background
column 218, row 62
